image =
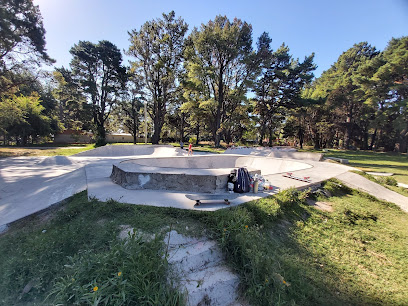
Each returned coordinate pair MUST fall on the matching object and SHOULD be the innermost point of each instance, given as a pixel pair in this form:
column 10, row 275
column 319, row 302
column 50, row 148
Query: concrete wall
column 267, row 165
column 132, row 150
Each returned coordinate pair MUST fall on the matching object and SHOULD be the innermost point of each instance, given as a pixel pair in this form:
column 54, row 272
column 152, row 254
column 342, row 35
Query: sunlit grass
column 285, row 251
column 46, row 151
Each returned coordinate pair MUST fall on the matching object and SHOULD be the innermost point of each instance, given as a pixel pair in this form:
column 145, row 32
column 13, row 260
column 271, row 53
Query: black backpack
column 241, row 184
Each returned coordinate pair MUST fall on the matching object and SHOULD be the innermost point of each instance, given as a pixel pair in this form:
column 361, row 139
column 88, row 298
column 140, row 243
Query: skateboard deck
column 303, row 179
column 211, row 197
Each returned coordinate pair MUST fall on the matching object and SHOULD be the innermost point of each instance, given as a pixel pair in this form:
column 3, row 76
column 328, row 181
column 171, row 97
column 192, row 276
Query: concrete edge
column 5, row 227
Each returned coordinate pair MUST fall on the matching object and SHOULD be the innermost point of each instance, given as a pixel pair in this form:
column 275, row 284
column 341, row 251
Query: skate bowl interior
column 206, row 173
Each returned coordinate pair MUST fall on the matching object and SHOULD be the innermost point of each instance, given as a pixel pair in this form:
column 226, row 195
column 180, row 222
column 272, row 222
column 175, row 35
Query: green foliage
column 285, row 252
column 21, row 28
column 360, row 101
column 77, row 249
column 74, row 112
column 220, row 67
column 100, row 74
column 23, row 117
column 279, row 85
column 129, row 273
column 158, row 49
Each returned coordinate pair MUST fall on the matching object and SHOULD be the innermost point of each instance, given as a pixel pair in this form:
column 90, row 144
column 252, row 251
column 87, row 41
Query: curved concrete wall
column 267, row 165
column 297, row 155
column 130, row 150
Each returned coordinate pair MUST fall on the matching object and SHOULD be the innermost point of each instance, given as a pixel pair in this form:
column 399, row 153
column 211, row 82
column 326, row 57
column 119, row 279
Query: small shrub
column 335, row 188
column 387, row 180
column 129, row 273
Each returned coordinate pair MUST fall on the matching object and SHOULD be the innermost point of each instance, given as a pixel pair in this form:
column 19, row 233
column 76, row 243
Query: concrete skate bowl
column 289, row 153
column 132, row 150
column 208, row 173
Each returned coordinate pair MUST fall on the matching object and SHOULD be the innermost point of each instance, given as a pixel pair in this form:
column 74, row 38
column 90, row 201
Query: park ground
column 334, row 247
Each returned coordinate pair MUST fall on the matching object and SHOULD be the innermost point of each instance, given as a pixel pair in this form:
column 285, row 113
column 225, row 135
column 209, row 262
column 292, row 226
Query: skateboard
column 303, row 179
column 211, row 197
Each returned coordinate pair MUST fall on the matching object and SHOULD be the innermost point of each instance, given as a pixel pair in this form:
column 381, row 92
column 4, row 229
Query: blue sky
column 326, row 27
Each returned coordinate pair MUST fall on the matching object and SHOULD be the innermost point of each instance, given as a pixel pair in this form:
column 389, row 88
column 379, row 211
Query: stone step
column 194, row 257
column 213, row 286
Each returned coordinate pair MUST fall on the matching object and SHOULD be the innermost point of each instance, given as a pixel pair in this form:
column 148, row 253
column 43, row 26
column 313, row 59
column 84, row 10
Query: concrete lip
column 31, row 184
column 205, row 174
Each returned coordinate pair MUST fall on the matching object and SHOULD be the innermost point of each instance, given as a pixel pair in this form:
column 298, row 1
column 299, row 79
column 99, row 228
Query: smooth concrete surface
column 31, row 184
column 133, row 150
column 207, row 174
column 356, row 181
column 214, row 163
column 275, row 152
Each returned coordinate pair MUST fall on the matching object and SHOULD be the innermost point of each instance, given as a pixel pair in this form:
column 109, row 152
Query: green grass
column 376, row 162
column 46, row 151
column 285, row 251
column 387, row 181
column 66, row 257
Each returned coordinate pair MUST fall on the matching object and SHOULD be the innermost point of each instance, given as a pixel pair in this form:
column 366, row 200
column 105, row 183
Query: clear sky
column 326, row 27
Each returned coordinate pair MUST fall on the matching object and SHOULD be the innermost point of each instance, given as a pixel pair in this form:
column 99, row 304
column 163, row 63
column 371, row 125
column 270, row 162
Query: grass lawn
column 44, row 151
column 376, row 162
column 285, row 251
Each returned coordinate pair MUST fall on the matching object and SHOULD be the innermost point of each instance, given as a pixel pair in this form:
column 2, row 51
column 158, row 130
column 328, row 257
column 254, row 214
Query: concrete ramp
column 297, row 155
column 131, row 150
column 55, row 161
column 356, row 181
column 275, row 152
column 257, row 151
column 269, row 165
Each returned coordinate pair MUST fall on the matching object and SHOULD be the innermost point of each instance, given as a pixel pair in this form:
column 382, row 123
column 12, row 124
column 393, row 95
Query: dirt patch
column 323, row 206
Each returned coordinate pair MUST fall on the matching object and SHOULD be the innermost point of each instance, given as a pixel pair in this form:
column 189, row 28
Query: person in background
column 190, row 149
column 181, row 144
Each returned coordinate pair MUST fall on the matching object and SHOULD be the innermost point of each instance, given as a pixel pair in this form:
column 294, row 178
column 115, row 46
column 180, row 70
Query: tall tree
column 22, row 41
column 279, row 86
column 158, row 49
column 385, row 81
column 98, row 69
column 340, row 86
column 130, row 108
column 73, row 110
column 219, row 55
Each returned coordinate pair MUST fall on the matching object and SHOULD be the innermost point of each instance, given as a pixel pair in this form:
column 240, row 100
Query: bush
column 129, row 273
column 387, row 180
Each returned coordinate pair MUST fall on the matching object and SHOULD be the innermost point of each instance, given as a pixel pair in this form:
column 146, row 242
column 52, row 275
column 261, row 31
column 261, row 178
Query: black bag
column 241, row 184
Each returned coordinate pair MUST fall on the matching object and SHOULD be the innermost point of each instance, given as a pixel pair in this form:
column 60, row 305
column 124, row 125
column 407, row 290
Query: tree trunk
column 262, row 135
column 197, row 133
column 373, row 139
column 270, row 138
column 316, row 141
column 182, row 127
column 301, row 136
column 364, row 145
column 347, row 134
column 157, row 130
column 217, row 139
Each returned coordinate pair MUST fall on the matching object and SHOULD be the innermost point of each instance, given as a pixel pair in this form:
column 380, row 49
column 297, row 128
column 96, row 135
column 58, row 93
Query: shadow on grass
column 285, row 251
column 289, row 253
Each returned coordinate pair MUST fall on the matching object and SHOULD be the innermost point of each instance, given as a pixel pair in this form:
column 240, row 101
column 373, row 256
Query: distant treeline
column 207, row 84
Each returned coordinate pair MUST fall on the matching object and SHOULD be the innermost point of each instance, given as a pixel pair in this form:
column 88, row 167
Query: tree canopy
column 22, row 41
column 99, row 72
column 213, row 83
